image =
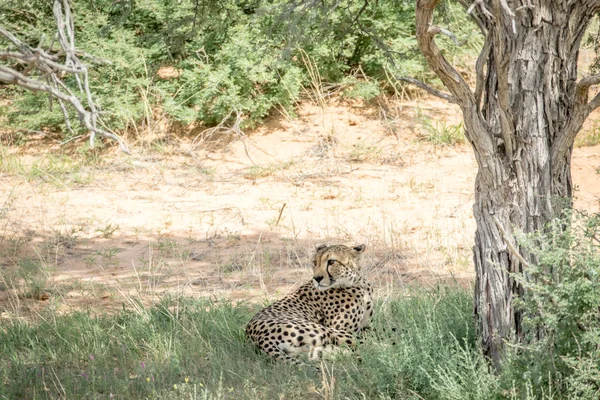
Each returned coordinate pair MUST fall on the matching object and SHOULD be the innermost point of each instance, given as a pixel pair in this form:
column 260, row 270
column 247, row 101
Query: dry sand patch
column 241, row 221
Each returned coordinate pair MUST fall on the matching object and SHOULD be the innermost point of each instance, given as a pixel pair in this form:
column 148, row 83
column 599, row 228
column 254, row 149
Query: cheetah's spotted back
column 321, row 313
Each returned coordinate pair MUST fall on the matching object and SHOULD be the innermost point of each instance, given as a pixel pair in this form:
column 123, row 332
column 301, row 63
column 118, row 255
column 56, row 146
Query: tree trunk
column 521, row 119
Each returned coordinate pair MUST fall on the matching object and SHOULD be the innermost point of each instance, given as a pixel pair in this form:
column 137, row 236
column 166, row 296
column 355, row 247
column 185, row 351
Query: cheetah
column 322, row 313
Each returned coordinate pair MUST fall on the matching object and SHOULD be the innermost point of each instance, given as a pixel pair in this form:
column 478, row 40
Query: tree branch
column 594, row 103
column 484, row 11
column 501, row 57
column 37, row 55
column 581, row 110
column 582, row 89
column 476, row 16
column 476, row 130
column 510, row 244
column 451, row 35
column 12, row 77
column 479, row 76
column 447, row 73
column 51, row 70
column 510, row 14
column 428, row 89
column 587, row 81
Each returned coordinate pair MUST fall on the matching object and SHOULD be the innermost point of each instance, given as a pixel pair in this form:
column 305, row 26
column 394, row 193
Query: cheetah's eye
column 330, row 262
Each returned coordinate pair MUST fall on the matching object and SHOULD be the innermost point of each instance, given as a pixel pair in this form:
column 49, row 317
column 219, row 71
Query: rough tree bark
column 521, row 120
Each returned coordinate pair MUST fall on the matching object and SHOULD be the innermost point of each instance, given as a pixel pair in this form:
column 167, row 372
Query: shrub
column 241, row 56
column 560, row 357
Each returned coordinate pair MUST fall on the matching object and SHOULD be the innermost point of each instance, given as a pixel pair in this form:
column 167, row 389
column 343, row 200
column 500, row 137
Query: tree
column 40, row 70
column 521, row 120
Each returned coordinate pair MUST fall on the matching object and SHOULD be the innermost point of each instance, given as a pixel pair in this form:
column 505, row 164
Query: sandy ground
column 240, row 220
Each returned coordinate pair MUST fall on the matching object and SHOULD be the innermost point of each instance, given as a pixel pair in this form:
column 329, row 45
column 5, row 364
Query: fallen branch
column 50, row 71
column 10, row 76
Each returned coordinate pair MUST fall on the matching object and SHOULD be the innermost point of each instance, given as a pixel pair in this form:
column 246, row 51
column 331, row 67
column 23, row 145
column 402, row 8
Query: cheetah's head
column 337, row 266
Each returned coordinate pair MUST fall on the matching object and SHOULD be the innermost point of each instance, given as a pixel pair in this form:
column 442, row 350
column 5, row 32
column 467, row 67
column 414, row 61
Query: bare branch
column 511, row 14
column 425, row 36
column 587, row 81
column 484, row 10
column 67, row 43
column 581, row 110
column 451, row 35
column 428, row 89
column 10, row 76
column 36, row 56
column 13, row 39
column 593, row 104
column 476, row 130
column 582, row 93
column 51, row 70
column 476, row 16
column 481, row 60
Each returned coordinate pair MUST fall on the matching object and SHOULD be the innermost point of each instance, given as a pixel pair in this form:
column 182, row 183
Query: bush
column 240, row 56
column 560, row 355
column 245, row 75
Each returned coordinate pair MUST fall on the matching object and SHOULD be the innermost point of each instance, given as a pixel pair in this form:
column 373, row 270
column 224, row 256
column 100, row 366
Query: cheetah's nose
column 318, row 279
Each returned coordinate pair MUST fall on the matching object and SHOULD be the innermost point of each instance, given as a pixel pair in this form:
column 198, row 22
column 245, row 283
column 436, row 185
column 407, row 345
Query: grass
column 363, row 152
column 59, row 170
column 589, row 137
column 262, row 171
column 195, row 348
column 108, row 230
column 440, row 133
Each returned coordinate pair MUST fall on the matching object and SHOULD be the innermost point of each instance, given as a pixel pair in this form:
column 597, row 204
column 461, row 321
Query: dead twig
column 44, row 71
column 280, row 213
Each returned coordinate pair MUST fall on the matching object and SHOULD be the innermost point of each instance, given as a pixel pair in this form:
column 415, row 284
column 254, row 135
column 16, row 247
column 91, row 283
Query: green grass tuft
column 194, row 348
column 442, row 134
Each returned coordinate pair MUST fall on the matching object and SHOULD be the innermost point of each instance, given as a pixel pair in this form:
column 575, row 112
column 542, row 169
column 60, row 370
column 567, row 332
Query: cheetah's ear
column 321, row 247
column 360, row 248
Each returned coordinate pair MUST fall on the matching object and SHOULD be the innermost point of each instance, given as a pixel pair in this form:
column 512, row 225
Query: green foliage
column 589, row 137
column 34, row 277
column 561, row 323
column 432, row 353
column 58, row 169
column 118, row 69
column 362, row 89
column 232, row 57
column 190, row 348
column 441, row 133
column 245, row 75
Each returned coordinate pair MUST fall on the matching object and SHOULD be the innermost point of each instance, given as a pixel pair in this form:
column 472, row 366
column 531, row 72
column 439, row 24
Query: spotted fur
column 322, row 313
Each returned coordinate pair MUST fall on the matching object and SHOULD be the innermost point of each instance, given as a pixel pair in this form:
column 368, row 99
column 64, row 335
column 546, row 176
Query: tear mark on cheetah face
column 336, row 266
